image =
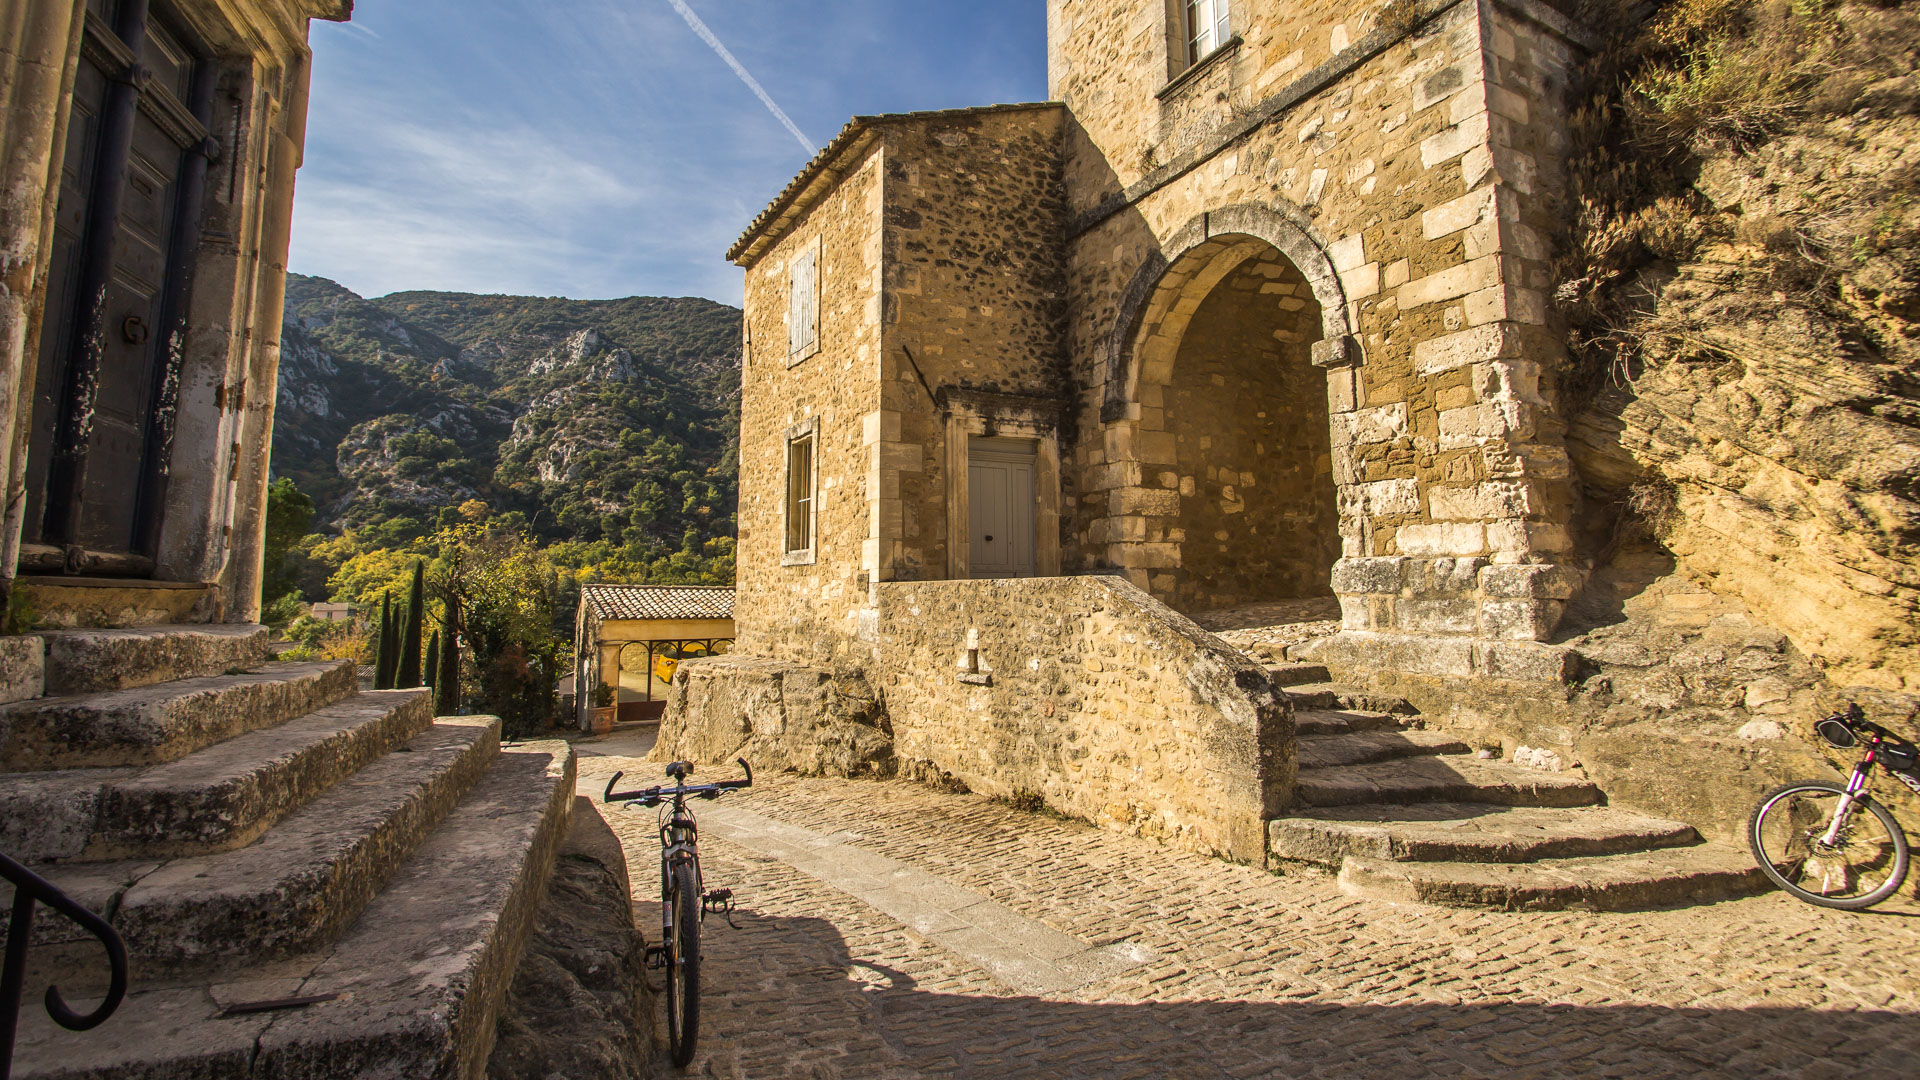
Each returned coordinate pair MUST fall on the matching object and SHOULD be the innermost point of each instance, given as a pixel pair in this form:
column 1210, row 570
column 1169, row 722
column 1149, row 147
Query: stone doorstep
column 300, row 883
column 93, row 661
column 1342, row 722
column 215, row 799
column 23, row 664
column 1284, row 675
column 1341, row 696
column 1364, row 747
column 152, row 724
column 1433, row 779
column 421, row 974
column 1466, row 832
column 1636, row 882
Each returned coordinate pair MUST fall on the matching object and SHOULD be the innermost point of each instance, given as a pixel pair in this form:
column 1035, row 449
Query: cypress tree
column 446, row 684
column 407, row 674
column 433, row 658
column 380, row 643
column 389, row 654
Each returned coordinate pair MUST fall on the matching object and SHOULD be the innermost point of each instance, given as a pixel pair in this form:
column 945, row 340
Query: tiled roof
column 658, row 601
column 784, row 208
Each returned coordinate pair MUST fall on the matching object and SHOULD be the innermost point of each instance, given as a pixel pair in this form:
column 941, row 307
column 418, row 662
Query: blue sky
column 599, row 148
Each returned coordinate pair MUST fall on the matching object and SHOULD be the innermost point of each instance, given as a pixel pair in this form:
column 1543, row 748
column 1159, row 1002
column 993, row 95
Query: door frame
column 116, row 49
column 974, row 414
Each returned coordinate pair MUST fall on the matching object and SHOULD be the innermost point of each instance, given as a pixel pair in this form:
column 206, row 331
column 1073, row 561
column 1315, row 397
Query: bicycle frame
column 1862, row 778
column 1856, row 790
column 679, row 843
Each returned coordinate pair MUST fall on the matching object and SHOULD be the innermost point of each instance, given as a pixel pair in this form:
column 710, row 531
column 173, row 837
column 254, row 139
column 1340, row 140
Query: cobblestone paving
column 1256, row 975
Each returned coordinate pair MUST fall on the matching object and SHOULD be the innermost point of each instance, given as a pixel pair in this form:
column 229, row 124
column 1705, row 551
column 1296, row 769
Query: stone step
column 1442, row 779
column 1362, row 747
column 1329, row 695
column 1342, row 722
column 148, row 725
column 419, row 977
column 303, row 881
column 215, row 799
column 1297, row 674
column 1635, row 882
column 1467, row 832
column 95, row 661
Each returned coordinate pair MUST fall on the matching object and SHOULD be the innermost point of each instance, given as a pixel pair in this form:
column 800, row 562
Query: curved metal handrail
column 30, row 888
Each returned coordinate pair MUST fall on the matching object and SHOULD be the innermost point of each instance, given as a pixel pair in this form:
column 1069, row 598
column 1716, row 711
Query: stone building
column 294, row 897
column 1254, row 313
column 1261, row 325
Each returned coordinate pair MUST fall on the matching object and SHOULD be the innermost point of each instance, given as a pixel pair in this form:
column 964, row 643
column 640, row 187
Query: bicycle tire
column 1776, row 798
column 683, row 964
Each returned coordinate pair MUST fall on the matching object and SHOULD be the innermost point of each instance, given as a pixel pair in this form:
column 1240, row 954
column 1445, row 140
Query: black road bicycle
column 1833, row 844
column 683, row 903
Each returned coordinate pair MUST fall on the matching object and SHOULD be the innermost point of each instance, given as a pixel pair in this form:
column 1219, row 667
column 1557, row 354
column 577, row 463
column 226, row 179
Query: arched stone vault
column 1167, row 288
column 1208, row 393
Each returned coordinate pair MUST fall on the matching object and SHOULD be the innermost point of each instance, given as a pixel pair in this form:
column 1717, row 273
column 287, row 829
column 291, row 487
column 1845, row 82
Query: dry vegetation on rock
column 1741, row 282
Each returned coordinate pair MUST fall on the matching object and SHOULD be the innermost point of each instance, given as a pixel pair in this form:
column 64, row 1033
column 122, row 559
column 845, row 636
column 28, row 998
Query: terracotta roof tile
column 658, row 601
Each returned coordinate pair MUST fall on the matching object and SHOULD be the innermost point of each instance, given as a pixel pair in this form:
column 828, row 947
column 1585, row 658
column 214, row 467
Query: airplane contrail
column 753, row 84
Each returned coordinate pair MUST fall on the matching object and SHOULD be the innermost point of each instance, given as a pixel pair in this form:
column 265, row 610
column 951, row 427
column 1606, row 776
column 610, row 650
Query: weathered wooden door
column 1000, row 505
column 130, row 197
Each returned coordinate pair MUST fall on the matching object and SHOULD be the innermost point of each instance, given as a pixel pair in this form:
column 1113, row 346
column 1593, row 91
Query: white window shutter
column 803, row 306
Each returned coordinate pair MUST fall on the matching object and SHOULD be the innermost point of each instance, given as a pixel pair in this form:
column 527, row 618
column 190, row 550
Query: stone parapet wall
column 1088, row 695
column 1094, row 697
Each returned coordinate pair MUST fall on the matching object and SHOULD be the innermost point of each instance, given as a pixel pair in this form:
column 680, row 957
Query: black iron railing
column 29, row 889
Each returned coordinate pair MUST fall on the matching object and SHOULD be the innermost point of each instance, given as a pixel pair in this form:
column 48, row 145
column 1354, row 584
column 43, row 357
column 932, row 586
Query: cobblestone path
column 1240, row 973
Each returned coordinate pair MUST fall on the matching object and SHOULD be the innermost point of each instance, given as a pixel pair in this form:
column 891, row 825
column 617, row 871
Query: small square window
column 803, row 306
column 797, row 546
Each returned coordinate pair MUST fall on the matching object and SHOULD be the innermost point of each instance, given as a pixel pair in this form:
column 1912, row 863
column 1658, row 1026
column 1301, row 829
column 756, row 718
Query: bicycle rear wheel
column 1862, row 867
column 683, row 964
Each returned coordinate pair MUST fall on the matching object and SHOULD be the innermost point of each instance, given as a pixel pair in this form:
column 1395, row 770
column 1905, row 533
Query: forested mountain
column 596, row 420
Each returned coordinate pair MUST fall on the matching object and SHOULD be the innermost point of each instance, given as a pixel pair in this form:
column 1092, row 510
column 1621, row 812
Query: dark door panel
column 103, row 353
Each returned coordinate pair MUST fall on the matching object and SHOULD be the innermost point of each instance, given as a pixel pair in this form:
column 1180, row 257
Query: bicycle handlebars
column 654, row 796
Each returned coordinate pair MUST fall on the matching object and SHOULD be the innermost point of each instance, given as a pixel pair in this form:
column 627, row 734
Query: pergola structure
column 629, row 638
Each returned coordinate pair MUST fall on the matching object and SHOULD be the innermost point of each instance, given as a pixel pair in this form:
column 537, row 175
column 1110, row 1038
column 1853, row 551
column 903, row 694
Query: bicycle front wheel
column 1863, row 865
column 683, row 964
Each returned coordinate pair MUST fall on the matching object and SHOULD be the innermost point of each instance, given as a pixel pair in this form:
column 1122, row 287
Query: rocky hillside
column 596, row 419
column 1743, row 284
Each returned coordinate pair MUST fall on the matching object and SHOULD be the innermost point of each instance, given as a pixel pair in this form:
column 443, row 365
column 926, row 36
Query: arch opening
column 1232, row 418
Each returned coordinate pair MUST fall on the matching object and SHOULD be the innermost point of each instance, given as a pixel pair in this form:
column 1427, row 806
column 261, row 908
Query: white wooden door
column 1000, row 497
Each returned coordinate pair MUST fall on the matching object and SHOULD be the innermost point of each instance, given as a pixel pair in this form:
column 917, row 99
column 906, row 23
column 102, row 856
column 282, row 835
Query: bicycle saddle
column 679, row 769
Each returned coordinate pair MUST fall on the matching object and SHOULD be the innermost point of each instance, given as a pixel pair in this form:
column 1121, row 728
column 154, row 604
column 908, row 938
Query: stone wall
column 805, row 611
column 1087, row 694
column 975, row 299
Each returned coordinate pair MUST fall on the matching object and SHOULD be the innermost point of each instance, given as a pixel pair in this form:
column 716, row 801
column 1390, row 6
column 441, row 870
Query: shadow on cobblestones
column 788, row 999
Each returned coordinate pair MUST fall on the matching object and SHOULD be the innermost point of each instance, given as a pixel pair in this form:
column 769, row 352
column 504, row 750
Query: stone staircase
column 1403, row 812
column 310, row 881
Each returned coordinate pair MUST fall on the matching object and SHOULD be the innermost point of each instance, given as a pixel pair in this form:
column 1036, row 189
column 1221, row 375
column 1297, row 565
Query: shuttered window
column 800, row 495
column 803, row 306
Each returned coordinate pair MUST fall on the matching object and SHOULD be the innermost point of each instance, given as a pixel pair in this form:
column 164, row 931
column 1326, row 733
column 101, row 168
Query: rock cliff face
column 1744, row 286
column 597, row 419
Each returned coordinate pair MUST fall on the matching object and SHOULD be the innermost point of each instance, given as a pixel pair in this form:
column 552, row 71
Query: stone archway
column 1217, row 416
column 1161, row 297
